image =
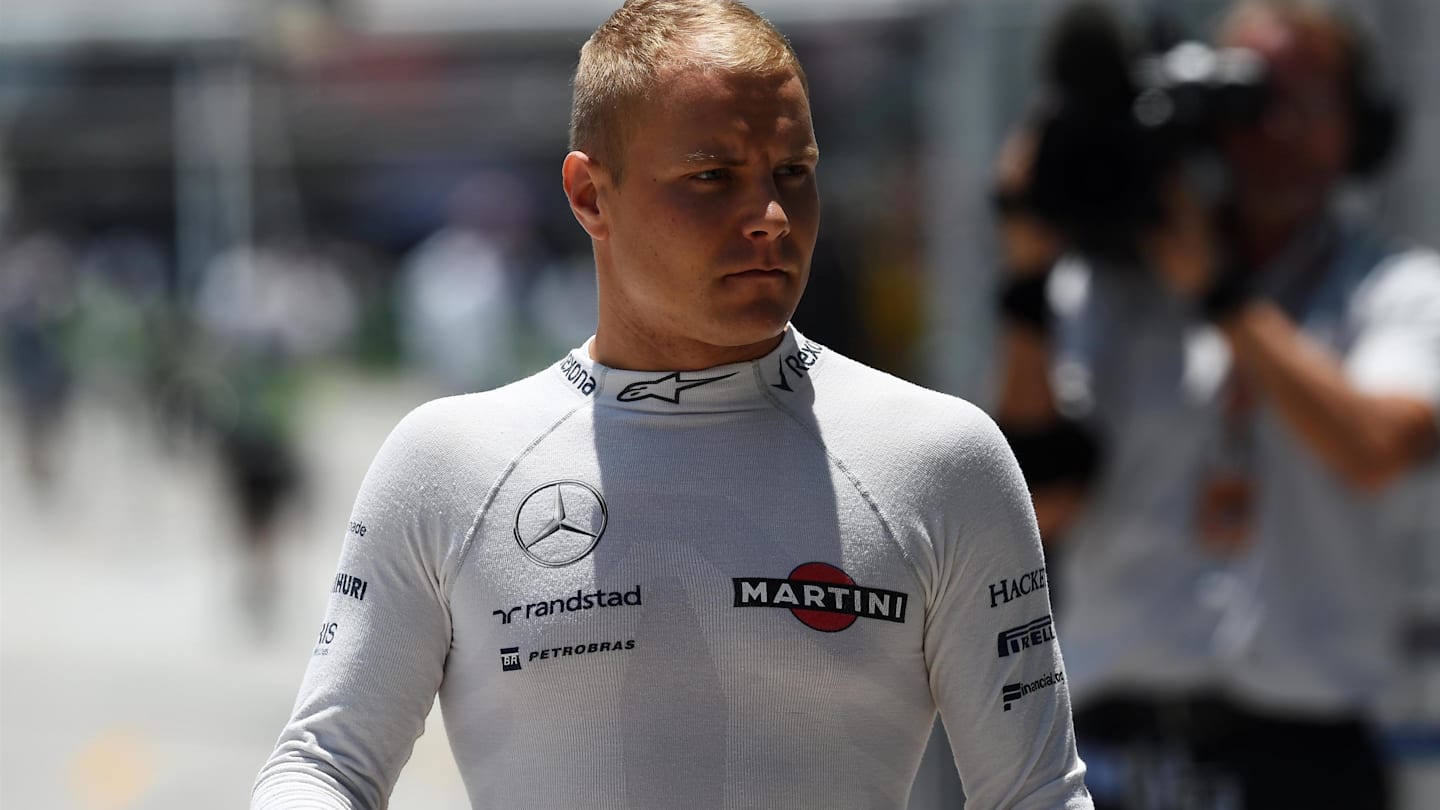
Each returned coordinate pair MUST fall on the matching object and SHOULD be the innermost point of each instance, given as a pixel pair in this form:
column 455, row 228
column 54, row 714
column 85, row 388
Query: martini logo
column 667, row 388
column 822, row 597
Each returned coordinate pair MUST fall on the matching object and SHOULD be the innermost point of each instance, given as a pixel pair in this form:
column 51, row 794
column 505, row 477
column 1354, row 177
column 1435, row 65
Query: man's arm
column 990, row 642
column 380, row 651
column 1367, row 438
column 1368, row 418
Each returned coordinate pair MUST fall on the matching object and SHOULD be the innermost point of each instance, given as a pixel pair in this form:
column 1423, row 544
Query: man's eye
column 793, row 170
column 711, row 175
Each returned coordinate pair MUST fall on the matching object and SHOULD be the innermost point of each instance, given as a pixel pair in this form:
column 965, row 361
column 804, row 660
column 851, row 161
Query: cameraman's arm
column 1052, row 451
column 1368, row 438
column 1368, row 433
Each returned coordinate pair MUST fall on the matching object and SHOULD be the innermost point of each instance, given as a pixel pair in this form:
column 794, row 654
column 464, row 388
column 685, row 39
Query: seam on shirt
column 500, row 480
column 865, row 495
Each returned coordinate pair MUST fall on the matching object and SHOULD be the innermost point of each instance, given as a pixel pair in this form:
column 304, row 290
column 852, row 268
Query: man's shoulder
column 489, row 421
column 911, row 448
column 888, row 409
column 1402, row 280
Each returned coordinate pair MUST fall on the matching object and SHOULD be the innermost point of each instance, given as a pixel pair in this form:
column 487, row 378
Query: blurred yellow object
column 113, row 771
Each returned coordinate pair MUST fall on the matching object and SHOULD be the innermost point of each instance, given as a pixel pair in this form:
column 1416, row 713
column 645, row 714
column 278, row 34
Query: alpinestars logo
column 560, row 522
column 1033, row 634
column 667, row 388
column 822, row 597
column 799, row 363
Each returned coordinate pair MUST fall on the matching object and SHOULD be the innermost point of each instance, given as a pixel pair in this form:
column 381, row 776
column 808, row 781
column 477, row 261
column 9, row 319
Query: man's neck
column 635, row 351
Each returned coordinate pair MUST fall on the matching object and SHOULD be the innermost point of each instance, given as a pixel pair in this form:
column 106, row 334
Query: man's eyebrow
column 705, row 156
column 808, row 154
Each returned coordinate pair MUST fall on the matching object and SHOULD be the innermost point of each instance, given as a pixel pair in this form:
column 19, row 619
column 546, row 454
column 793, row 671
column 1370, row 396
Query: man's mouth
column 759, row 272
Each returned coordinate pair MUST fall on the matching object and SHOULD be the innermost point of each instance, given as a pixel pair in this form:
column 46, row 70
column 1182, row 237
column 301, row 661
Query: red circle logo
column 817, row 573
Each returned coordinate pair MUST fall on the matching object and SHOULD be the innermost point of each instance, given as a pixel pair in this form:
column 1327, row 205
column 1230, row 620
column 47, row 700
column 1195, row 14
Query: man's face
column 708, row 235
column 1286, row 165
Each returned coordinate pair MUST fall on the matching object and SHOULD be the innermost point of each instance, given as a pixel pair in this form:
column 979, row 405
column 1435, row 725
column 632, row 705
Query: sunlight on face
column 712, row 227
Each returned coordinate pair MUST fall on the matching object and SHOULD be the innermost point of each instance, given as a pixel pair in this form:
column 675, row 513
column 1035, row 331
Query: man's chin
column 758, row 322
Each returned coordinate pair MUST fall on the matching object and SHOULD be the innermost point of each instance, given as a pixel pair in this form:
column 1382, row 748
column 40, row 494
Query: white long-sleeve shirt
column 749, row 586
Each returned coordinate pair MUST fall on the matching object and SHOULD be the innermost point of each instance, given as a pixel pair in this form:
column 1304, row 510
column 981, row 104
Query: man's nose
column 769, row 220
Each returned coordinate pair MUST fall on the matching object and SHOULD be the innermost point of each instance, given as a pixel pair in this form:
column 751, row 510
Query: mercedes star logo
column 560, row 522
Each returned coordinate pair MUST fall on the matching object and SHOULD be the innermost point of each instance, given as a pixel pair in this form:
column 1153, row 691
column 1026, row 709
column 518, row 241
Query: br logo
column 509, row 658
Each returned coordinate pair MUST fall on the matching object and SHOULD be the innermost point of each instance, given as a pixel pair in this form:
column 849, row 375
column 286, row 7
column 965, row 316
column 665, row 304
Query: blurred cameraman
column 1211, row 412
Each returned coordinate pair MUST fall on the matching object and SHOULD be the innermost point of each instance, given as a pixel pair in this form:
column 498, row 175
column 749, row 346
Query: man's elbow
column 1407, row 439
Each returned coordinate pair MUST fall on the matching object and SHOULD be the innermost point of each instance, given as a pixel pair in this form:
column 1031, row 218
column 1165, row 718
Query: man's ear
column 582, row 178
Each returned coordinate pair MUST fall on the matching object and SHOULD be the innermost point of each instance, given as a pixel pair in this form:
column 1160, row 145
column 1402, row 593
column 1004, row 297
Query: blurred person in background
column 459, row 290
column 701, row 560
column 1210, row 437
column 262, row 312
column 37, row 302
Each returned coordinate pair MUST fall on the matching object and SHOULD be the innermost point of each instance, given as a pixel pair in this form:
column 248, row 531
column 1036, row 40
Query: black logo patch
column 800, row 362
column 509, row 659
column 353, row 587
column 1006, row 589
column 1013, row 692
column 327, row 636
column 570, row 604
column 581, row 649
column 572, row 370
column 1032, row 634
column 667, row 388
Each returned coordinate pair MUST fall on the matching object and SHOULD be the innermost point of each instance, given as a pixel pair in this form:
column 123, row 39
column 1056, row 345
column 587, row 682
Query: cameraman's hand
column 1185, row 250
column 1028, row 246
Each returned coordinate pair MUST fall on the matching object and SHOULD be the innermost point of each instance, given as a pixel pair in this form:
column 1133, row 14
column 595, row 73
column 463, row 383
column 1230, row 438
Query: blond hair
column 625, row 60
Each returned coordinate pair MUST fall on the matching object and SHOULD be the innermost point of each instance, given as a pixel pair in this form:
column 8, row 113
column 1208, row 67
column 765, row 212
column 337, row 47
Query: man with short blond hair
column 701, row 561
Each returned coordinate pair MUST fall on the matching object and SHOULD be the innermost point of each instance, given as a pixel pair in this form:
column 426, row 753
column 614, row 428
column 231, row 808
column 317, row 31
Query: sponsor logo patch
column 559, row 523
column 799, row 362
column 1033, row 634
column 353, row 587
column 572, row 370
column 509, row 658
column 580, row 600
column 1004, row 590
column 822, row 597
column 327, row 636
column 1014, row 692
column 666, row 389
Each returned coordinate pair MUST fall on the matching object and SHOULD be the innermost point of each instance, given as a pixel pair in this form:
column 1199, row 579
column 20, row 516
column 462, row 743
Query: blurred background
column 239, row 239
